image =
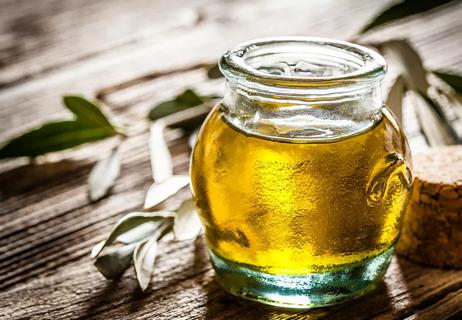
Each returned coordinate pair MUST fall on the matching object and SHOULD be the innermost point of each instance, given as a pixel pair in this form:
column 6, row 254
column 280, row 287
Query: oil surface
column 298, row 208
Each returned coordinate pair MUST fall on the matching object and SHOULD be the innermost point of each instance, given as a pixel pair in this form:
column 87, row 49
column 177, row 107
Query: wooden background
column 47, row 224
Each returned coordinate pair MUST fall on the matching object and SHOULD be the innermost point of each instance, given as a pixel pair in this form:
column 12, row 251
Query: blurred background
column 115, row 49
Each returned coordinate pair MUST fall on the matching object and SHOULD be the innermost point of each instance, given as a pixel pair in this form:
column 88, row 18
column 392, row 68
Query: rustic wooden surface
column 47, row 224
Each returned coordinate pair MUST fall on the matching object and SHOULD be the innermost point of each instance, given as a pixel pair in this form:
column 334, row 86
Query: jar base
column 301, row 291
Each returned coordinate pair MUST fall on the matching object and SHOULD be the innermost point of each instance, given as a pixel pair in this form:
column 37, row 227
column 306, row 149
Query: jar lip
column 354, row 64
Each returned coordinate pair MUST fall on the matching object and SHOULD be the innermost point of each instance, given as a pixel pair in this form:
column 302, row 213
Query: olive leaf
column 192, row 138
column 213, row 72
column 161, row 160
column 89, row 125
column 143, row 260
column 184, row 100
column 407, row 59
column 145, row 253
column 453, row 80
column 177, row 108
column 104, row 174
column 115, row 261
column 447, row 128
column 401, row 10
column 127, row 223
column 187, row 224
column 189, row 119
column 51, row 137
column 395, row 98
column 436, row 130
column 161, row 191
column 140, row 232
column 86, row 111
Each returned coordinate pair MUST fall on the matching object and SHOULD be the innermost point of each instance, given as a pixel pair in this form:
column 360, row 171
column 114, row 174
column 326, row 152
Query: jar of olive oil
column 301, row 174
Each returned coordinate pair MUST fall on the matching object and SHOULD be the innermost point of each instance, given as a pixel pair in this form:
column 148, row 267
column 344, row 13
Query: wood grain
column 48, row 225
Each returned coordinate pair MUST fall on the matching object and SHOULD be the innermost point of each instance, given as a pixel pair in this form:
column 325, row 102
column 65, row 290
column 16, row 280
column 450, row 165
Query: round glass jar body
column 301, row 175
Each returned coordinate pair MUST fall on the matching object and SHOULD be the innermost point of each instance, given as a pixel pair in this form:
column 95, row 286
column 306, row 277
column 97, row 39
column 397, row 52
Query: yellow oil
column 298, row 208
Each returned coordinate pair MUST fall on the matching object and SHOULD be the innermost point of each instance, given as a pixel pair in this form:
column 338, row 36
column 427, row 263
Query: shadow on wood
column 28, row 177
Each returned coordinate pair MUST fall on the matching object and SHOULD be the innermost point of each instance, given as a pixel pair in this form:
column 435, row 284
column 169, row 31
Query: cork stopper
column 432, row 226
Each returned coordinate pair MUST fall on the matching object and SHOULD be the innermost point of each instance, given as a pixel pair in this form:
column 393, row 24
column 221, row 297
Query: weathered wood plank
column 35, row 41
column 32, row 101
column 185, row 289
column 48, row 227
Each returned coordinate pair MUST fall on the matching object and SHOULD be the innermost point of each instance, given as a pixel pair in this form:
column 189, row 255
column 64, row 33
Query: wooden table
column 121, row 50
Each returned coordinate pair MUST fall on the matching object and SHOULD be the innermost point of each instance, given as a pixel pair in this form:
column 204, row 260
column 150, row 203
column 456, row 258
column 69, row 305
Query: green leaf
column 115, row 261
column 401, row 10
column 86, row 112
column 213, row 72
column 455, row 81
column 189, row 98
column 53, row 136
column 189, row 119
column 89, row 125
column 185, row 100
column 127, row 223
column 103, row 175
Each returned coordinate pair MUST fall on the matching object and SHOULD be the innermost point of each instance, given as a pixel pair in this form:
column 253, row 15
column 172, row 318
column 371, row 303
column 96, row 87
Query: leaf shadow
column 28, row 177
column 190, row 268
column 101, row 298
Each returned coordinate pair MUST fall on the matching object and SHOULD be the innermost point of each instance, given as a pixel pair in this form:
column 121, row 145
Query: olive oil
column 300, row 207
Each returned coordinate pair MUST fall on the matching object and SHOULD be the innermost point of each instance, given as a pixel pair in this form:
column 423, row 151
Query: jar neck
column 302, row 88
column 307, row 117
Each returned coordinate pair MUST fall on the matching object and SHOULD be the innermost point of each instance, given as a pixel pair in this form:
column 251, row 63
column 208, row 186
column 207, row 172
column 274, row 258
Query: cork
column 432, row 225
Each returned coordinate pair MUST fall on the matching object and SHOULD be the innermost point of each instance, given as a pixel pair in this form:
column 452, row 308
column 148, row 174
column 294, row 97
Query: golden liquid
column 297, row 208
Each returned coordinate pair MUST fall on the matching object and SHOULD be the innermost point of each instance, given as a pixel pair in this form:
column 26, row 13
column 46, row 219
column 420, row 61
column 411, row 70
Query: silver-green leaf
column 127, row 223
column 104, row 174
column 161, row 160
column 434, row 128
column 406, row 58
column 192, row 138
column 143, row 260
column 140, row 232
column 187, row 224
column 145, row 253
column 115, row 261
column 158, row 192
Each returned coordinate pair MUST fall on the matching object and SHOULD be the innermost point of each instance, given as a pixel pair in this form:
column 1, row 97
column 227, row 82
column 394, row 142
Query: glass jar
column 301, row 174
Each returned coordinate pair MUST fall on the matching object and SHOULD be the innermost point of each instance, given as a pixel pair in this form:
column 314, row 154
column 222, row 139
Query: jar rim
column 350, row 64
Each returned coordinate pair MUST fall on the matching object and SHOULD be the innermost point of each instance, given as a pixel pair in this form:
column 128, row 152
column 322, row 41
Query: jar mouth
column 302, row 62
